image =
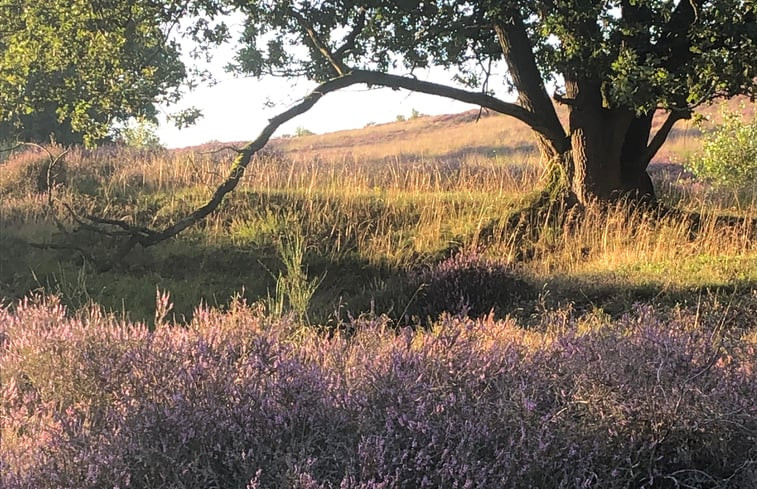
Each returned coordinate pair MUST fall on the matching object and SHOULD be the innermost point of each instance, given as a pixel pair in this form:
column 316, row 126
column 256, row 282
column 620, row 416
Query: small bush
column 139, row 135
column 302, row 131
column 467, row 284
column 729, row 154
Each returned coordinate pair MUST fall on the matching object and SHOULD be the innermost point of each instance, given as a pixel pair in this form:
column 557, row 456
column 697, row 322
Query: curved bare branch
column 147, row 237
column 529, row 118
column 244, row 157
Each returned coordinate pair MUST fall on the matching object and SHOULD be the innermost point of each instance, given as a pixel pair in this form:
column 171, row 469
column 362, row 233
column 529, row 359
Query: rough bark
column 636, row 181
column 604, row 155
column 610, row 149
column 527, row 80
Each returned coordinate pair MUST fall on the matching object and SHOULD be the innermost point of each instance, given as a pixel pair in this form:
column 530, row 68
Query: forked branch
column 661, row 135
column 349, row 41
column 336, row 58
column 336, row 63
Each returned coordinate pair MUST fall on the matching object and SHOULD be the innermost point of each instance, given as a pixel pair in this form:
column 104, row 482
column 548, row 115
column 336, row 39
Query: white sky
column 234, row 109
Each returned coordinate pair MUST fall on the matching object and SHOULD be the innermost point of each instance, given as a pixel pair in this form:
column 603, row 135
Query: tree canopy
column 613, row 63
column 71, row 68
column 648, row 54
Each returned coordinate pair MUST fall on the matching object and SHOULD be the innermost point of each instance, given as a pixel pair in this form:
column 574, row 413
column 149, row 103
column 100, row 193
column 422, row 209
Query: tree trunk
column 606, row 160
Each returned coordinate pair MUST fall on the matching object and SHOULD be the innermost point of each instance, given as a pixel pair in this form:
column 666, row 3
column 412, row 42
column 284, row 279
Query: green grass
column 371, row 213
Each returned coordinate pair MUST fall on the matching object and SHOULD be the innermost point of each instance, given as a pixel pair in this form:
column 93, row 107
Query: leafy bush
column 729, row 154
column 467, row 284
column 139, row 135
column 234, row 401
column 302, row 131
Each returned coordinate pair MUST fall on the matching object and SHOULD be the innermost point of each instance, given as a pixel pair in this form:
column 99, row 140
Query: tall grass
column 397, row 195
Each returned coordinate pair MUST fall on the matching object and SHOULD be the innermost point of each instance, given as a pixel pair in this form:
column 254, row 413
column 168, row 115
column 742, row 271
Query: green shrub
column 729, row 154
column 141, row 134
column 302, row 131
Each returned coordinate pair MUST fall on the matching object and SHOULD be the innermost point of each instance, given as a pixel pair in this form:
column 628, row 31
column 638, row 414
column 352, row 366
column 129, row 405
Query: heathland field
column 371, row 309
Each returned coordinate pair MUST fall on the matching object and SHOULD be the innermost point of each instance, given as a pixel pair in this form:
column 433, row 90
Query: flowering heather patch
column 238, row 400
column 29, row 172
column 467, row 284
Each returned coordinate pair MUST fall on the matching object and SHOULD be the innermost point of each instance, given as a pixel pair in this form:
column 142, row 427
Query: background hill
column 362, row 220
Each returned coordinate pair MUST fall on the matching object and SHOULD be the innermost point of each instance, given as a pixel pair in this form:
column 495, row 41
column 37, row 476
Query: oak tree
column 614, row 64
column 71, row 68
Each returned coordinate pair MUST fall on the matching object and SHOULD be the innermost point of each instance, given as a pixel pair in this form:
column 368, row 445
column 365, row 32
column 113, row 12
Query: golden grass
column 403, row 194
column 423, row 137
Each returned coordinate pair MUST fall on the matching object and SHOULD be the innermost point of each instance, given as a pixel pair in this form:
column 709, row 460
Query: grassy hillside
column 364, row 220
column 602, row 347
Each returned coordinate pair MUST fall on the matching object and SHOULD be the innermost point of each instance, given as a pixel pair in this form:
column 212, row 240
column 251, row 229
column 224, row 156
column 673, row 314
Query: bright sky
column 234, row 109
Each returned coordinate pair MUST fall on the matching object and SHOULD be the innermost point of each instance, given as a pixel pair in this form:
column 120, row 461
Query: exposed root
column 538, row 211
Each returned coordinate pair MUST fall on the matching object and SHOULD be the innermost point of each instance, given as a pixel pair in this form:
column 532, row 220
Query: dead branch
column 145, row 237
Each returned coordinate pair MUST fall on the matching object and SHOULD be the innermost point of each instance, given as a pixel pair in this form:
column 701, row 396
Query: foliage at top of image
column 70, row 68
column 729, row 153
column 387, row 35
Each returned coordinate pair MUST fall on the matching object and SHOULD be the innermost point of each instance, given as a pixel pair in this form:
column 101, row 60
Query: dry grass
column 449, row 136
column 396, row 195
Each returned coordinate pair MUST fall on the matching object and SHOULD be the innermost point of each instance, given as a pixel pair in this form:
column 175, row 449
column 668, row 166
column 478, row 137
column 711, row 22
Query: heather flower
column 467, row 284
column 235, row 400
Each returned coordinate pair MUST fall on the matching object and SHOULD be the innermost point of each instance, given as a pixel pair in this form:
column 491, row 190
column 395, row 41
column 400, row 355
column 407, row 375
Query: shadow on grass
column 195, row 272
column 523, row 150
column 736, row 299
